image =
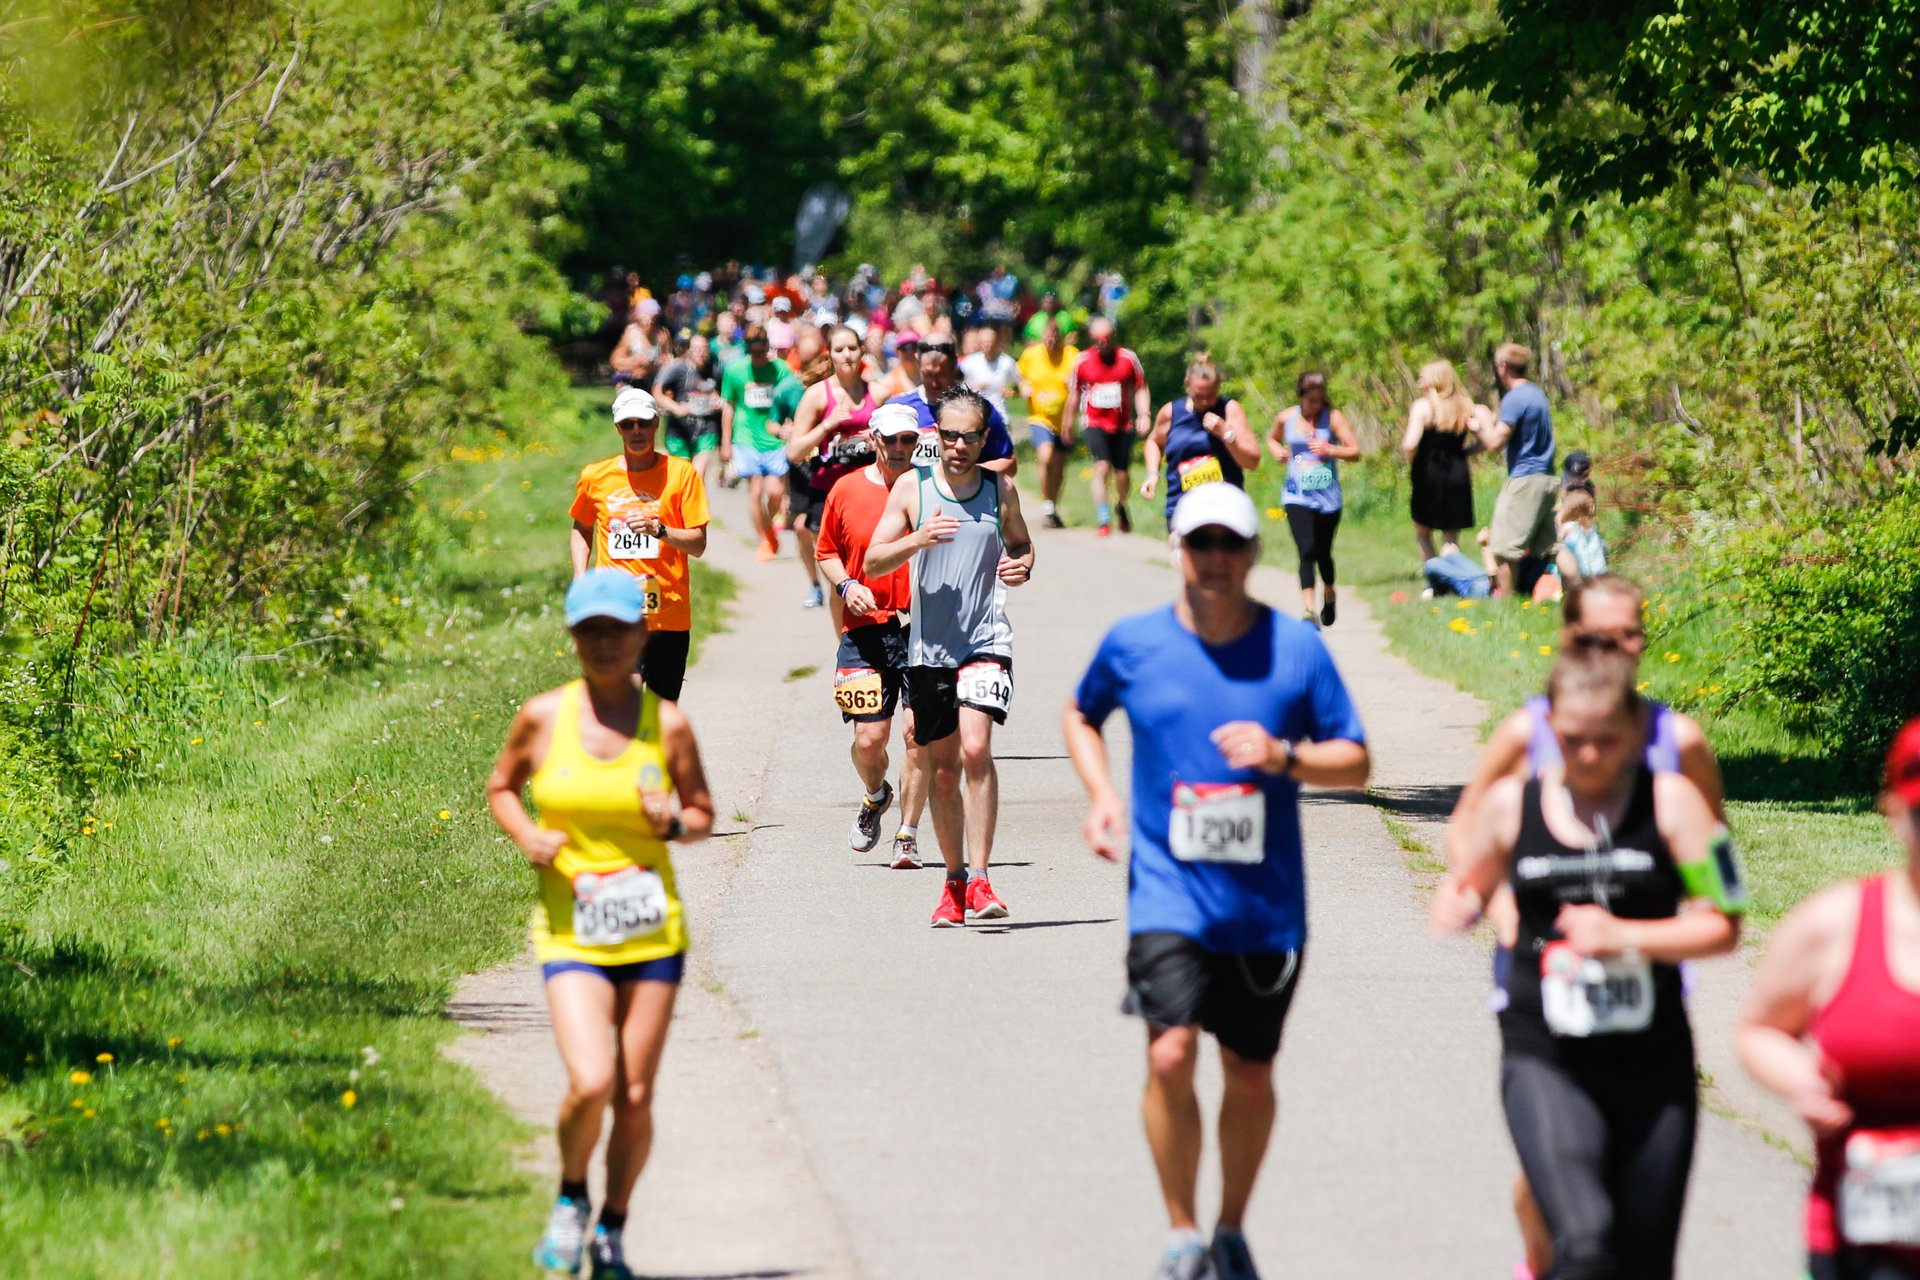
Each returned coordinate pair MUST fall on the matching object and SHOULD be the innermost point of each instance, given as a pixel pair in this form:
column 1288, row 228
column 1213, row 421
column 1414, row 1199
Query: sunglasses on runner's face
column 1624, row 638
column 1214, row 540
column 937, row 348
column 970, row 437
column 756, row 342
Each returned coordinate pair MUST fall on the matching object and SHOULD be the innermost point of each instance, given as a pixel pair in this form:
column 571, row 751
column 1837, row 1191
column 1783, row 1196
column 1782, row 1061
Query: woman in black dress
column 1436, row 447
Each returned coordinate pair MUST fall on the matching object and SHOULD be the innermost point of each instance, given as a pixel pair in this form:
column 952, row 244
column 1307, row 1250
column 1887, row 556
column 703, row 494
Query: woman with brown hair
column 1436, row 445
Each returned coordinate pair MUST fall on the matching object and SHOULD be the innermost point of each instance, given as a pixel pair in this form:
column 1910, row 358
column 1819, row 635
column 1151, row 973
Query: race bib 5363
column 859, row 691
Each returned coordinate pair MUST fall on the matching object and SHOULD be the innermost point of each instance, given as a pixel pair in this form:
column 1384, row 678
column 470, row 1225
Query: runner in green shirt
column 747, row 415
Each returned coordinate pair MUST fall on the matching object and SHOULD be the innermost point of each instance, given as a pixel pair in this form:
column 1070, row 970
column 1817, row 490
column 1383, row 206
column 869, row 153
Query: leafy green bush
column 1830, row 625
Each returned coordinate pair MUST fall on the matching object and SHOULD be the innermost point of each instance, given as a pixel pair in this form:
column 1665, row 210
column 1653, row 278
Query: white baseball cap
column 632, row 402
column 893, row 420
column 1220, row 503
column 781, row 302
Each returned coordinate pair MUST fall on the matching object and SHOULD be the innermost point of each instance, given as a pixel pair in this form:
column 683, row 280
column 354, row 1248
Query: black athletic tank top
column 1567, row 1010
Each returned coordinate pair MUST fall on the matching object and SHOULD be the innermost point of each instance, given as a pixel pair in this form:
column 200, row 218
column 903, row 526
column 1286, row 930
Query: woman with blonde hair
column 1436, row 446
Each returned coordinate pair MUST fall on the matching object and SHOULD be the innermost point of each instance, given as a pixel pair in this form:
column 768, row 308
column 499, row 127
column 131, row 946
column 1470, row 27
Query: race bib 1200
column 1218, row 822
column 1594, row 995
column 617, row 907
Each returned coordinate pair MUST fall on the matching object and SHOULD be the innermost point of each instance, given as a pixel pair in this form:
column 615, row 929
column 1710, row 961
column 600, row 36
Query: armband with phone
column 1718, row 877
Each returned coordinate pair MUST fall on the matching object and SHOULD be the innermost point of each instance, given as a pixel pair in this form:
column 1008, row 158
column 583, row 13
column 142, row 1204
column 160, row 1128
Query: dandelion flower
column 259, row 724
column 78, row 1103
column 181, row 1078
column 103, row 1058
column 163, row 1123
column 1276, row 513
column 203, row 1135
column 1642, row 686
column 89, row 1113
column 1546, row 650
column 348, row 1099
column 445, row 814
column 224, row 1130
column 80, row 1077
column 173, row 1042
column 196, row 742
column 1672, row 657
column 1464, row 603
column 1514, row 654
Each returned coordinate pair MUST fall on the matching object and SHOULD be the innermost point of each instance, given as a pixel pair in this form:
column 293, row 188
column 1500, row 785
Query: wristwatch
column 1289, row 757
column 675, row 829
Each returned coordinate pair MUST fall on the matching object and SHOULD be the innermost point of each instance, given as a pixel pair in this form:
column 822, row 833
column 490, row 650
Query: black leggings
column 1857, row 1264
column 1313, row 533
column 1607, row 1154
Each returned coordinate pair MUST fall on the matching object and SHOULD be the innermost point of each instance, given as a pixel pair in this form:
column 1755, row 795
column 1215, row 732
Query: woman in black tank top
column 1597, row 1068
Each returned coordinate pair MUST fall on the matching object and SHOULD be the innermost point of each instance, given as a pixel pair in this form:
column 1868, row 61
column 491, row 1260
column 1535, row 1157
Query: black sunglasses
column 1608, row 639
column 971, row 437
column 1211, row 540
column 937, row 348
column 756, row 342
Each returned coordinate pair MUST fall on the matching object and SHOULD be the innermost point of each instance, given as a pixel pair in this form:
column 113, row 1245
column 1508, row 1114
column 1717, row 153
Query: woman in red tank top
column 1833, row 1026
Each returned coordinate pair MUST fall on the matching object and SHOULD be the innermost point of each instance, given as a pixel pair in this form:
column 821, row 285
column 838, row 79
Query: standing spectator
column 1522, row 527
column 1436, row 449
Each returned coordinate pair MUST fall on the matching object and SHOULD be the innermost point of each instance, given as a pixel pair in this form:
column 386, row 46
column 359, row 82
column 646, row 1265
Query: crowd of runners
column 873, row 425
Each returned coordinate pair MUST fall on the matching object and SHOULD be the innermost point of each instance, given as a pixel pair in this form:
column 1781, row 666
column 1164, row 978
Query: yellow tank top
column 609, row 898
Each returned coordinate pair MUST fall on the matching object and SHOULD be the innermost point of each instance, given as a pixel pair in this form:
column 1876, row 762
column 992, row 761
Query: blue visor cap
column 606, row 593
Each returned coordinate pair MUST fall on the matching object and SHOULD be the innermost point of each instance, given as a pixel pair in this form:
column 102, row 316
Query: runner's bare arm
column 1239, row 438
column 1346, row 445
column 664, row 398
column 1006, row 466
column 518, row 759
column 726, row 429
column 854, row 594
column 1016, row 566
column 1797, row 974
column 1142, row 404
column 689, row 777
column 1479, row 861
column 1106, row 821
column 1698, row 762
column 1277, row 439
column 896, row 537
column 580, row 547
column 1155, row 446
column 1489, row 430
column 1070, row 411
column 693, row 541
column 1504, row 757
column 1337, row 762
column 810, row 424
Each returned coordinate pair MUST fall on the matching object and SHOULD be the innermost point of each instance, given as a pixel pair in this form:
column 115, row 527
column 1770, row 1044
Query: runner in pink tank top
column 1833, row 1025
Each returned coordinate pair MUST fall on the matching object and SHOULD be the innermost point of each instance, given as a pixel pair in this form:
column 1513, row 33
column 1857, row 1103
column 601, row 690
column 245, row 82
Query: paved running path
column 852, row 1094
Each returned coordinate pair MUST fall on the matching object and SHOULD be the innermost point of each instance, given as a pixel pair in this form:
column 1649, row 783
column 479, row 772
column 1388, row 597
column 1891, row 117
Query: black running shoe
column 1326, row 613
column 1053, row 521
column 1126, row 521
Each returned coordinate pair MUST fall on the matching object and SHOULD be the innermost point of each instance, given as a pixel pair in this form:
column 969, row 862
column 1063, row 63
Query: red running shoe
column 982, row 902
column 951, row 913
column 1104, row 531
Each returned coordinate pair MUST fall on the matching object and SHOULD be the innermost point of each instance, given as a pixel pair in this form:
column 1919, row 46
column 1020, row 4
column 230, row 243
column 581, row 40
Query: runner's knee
column 1172, row 1052
column 592, row 1086
column 870, row 738
column 1244, row 1076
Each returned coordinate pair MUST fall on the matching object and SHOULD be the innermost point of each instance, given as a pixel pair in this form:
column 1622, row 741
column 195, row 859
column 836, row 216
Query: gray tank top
column 959, row 602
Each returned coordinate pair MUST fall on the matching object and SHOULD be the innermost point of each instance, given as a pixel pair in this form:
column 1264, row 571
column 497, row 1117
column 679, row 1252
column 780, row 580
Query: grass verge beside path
column 1799, row 825
column 220, row 1022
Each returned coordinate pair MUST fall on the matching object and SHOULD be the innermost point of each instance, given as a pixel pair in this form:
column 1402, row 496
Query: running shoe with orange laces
column 982, row 902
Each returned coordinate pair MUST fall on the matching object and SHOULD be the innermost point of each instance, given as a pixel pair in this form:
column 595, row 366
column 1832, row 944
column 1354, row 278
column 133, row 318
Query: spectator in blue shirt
column 1522, row 525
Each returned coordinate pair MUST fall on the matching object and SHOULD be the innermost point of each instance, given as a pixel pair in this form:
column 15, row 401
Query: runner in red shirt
column 871, row 669
column 1107, row 380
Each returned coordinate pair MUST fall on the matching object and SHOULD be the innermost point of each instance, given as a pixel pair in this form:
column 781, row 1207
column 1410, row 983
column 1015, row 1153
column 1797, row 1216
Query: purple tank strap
column 1663, row 741
column 1543, row 749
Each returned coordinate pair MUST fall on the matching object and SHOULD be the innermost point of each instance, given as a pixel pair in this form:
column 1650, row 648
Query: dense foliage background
column 264, row 263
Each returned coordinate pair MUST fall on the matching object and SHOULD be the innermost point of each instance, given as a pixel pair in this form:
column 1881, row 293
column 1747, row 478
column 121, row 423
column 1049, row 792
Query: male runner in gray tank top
column 961, row 527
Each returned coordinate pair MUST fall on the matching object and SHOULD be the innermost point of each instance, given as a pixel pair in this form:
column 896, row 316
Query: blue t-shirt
column 999, row 439
column 1176, row 690
column 1530, row 446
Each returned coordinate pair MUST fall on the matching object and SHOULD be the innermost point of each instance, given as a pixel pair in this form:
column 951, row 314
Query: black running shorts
column 934, row 695
column 1115, row 448
column 663, row 663
column 1241, row 1000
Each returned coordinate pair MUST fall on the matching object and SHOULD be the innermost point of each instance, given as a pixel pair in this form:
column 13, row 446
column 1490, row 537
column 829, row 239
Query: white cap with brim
column 1223, row 504
column 894, row 420
column 632, row 402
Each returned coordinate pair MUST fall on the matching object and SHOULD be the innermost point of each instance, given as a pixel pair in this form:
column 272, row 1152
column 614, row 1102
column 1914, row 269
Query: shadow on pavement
column 1034, row 924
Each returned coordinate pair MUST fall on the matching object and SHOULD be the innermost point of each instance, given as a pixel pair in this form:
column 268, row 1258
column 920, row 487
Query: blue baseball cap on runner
column 605, row 593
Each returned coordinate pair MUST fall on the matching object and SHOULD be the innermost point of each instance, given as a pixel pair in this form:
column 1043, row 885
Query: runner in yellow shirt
column 615, row 773
column 1045, row 368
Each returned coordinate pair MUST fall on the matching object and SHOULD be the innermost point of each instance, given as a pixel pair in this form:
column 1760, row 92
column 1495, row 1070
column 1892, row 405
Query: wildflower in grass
column 1460, row 626
column 203, row 1135
column 106, row 826
column 173, row 1042
column 88, row 1114
column 259, row 724
column 1514, row 654
column 1276, row 513
column 349, row 1099
column 445, row 814
column 78, row 1103
column 1523, row 637
column 103, row 1058
column 1643, row 686
column 163, row 1124
column 1526, row 604
column 181, row 1078
column 80, row 1077
column 223, row 1130
column 1434, row 609
column 1463, row 603
column 196, row 742
column 1672, row 657
column 1546, row 650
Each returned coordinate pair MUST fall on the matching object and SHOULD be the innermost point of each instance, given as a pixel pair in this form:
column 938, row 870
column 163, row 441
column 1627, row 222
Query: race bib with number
column 618, row 907
column 1048, row 398
column 1218, row 822
column 1310, row 474
column 759, row 395
column 859, row 691
column 1195, row 472
column 986, row 685
column 927, row 452
column 650, row 592
column 1880, row 1190
column 1594, row 995
column 704, row 404
column 1104, row 395
column 624, row 542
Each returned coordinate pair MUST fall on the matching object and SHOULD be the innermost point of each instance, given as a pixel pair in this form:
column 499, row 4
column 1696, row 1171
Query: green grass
column 278, row 925
column 1799, row 822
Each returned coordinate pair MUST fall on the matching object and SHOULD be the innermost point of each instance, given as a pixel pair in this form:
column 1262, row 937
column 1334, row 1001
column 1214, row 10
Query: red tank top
column 1870, row 1031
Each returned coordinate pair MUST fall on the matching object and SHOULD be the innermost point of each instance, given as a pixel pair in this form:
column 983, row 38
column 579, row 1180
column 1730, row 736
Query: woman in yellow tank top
column 604, row 761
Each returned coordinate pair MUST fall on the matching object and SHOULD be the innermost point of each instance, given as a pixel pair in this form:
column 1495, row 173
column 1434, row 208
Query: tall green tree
column 1629, row 99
